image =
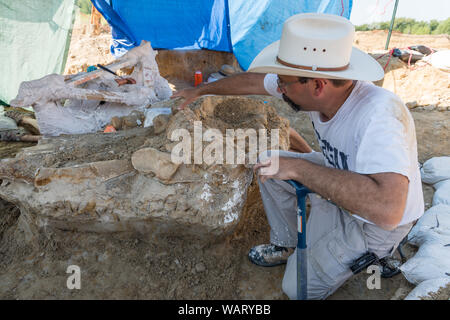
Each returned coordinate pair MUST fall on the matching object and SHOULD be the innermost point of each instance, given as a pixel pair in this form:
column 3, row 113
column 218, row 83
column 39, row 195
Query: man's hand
column 190, row 95
column 280, row 168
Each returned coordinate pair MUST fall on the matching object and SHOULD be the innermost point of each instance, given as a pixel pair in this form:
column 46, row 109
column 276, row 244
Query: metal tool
column 122, row 79
column 108, row 70
column 302, row 258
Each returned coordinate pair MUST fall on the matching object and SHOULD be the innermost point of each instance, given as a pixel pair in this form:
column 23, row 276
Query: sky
column 368, row 11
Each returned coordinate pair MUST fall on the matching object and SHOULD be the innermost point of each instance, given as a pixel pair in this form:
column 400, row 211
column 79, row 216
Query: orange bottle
column 198, row 78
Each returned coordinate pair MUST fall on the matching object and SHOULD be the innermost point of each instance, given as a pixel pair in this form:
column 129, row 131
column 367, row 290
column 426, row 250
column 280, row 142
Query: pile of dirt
column 115, row 267
column 229, row 115
column 419, row 85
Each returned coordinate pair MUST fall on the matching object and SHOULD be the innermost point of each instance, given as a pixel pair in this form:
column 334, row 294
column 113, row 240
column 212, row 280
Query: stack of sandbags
column 436, row 171
column 430, row 266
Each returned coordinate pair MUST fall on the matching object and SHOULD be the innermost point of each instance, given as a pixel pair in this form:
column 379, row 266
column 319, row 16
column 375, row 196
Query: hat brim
column 361, row 67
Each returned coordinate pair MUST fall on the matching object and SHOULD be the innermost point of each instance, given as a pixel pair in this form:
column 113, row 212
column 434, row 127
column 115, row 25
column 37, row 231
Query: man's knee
column 314, row 292
column 317, row 288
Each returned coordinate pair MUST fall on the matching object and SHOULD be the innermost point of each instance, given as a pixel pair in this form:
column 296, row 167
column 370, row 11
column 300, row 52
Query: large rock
column 125, row 181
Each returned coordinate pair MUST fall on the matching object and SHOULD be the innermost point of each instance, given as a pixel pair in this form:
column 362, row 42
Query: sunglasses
column 282, row 85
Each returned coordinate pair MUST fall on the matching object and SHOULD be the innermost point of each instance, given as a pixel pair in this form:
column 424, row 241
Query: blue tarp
column 243, row 27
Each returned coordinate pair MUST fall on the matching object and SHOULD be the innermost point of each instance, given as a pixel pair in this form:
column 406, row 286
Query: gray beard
column 291, row 103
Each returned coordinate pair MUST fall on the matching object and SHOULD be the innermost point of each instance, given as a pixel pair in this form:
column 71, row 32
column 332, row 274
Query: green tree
column 411, row 26
column 363, row 27
column 443, row 28
column 404, row 25
column 385, row 25
column 421, row 27
column 433, row 25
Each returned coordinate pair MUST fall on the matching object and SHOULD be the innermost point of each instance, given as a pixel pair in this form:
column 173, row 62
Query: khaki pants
column 334, row 238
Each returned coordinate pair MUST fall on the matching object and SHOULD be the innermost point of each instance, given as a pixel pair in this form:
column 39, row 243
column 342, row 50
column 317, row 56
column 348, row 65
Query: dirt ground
column 121, row 266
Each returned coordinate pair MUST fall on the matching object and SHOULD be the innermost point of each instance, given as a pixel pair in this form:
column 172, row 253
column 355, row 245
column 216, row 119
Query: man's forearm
column 357, row 193
column 241, row 84
column 297, row 143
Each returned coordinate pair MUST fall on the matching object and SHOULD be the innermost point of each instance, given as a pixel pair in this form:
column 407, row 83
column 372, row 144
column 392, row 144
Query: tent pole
column 392, row 25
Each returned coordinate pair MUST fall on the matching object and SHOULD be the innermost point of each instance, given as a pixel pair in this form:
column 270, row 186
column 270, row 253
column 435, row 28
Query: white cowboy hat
column 317, row 45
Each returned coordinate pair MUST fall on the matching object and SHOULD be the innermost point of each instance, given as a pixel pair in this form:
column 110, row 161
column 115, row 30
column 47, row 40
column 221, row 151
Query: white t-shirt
column 372, row 132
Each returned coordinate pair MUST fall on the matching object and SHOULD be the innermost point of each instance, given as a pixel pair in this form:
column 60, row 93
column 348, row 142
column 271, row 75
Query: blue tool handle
column 301, row 222
column 301, row 192
column 302, row 275
column 302, row 258
column 299, row 188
